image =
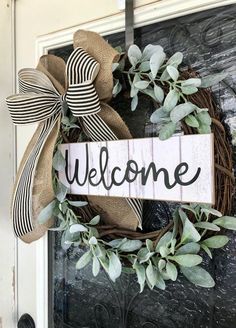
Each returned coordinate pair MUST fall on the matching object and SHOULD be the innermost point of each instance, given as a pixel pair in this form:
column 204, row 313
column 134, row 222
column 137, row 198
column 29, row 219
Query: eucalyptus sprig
column 157, row 76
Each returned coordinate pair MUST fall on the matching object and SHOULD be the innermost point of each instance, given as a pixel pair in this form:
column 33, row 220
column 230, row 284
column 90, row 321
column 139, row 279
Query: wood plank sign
column 179, row 169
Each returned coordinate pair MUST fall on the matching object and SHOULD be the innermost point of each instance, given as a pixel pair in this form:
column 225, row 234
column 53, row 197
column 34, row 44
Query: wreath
column 183, row 102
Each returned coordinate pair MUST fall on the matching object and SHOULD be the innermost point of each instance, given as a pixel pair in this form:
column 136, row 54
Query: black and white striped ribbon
column 39, row 101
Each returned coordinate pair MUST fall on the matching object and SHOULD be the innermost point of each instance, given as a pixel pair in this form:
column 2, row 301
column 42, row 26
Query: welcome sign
column 179, row 169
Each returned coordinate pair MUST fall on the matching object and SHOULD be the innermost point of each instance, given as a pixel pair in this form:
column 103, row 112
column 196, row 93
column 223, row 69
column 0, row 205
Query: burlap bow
column 42, row 93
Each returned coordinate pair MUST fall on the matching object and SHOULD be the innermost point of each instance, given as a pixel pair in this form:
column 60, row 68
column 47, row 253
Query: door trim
column 144, row 15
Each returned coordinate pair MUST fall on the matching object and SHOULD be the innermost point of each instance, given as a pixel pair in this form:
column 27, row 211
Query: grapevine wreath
column 109, row 229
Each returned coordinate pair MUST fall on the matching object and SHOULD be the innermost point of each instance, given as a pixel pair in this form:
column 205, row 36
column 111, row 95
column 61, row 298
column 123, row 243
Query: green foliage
column 198, row 276
column 150, row 72
column 153, row 262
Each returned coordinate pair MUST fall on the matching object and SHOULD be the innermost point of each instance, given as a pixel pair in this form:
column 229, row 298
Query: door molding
column 144, row 15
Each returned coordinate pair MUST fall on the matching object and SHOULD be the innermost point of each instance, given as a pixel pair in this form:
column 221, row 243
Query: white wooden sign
column 179, row 169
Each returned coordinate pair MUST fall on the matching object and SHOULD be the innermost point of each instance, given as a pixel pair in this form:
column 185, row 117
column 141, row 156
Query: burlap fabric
column 114, row 210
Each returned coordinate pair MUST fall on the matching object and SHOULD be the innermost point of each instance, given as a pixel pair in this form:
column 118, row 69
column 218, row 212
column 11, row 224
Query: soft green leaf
column 115, row 66
column 227, row 222
column 189, row 90
column 144, row 66
column 164, row 251
column 189, row 208
column 117, row 88
column 61, row 191
column 189, row 231
column 173, row 72
column 77, row 228
column 77, row 203
column 167, row 131
column 144, row 255
column 84, row 260
column 156, row 60
column 158, row 115
column 204, row 129
column 164, row 241
column 159, row 93
column 190, row 120
column 171, row 100
column 187, row 260
column 134, row 103
column 96, row 266
column 149, row 50
column 171, row 271
column 47, row 212
column 161, row 264
column 65, row 244
column 198, row 276
column 204, row 118
column 128, row 270
column 172, row 245
column 141, row 85
column 149, row 92
column 140, row 272
column 175, row 59
column 207, row 226
column 100, row 251
column 95, row 220
column 210, row 80
column 193, row 82
column 207, row 250
column 134, row 91
column 93, row 232
column 216, row 241
column 116, row 243
column 165, row 76
column 58, row 161
column 115, row 267
column 211, row 211
column 130, row 245
column 160, row 282
column 134, row 54
column 149, row 245
column 190, row 248
column 151, row 274
column 93, row 241
column 181, row 111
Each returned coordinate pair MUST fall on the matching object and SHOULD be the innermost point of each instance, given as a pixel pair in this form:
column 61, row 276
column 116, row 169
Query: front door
column 76, row 299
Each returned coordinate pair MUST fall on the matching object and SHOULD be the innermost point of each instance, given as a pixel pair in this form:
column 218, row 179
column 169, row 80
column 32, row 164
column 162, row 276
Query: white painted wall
column 7, row 240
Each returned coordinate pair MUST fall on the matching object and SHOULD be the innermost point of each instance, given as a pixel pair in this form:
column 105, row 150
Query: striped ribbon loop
column 39, row 101
column 83, row 101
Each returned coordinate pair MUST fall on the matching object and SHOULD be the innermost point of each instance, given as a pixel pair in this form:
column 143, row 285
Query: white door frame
column 145, row 15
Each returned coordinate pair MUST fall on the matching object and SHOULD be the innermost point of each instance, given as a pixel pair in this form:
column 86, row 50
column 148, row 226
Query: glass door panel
column 77, row 299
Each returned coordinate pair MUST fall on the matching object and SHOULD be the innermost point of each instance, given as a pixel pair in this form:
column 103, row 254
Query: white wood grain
column 198, row 152
column 118, row 156
column 195, row 150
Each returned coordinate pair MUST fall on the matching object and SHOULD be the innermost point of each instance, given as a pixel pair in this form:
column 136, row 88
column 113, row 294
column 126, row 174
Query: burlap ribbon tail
column 40, row 101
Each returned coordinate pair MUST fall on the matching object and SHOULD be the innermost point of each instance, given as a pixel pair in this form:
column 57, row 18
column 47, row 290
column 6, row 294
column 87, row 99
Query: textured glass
column 77, row 299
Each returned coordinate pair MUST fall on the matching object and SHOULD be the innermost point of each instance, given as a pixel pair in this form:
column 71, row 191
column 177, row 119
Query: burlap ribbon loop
column 40, row 101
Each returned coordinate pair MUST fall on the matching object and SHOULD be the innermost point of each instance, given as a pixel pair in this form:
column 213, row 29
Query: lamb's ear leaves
column 227, row 222
column 167, row 131
column 47, row 212
column 84, row 260
column 198, row 276
column 134, row 54
column 212, row 79
column 181, row 111
column 58, row 161
column 216, row 241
